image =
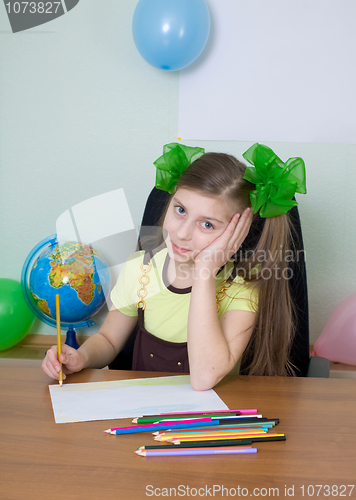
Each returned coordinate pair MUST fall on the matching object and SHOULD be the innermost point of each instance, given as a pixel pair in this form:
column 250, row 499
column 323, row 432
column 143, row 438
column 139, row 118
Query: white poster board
column 276, row 70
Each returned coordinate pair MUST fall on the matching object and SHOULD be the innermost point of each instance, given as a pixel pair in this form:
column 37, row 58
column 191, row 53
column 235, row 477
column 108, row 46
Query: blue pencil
column 157, row 427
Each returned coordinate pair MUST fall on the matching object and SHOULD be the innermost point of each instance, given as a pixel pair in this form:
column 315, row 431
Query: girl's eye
column 180, row 210
column 207, row 225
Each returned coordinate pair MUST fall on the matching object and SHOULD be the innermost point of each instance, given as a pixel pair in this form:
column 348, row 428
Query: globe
column 74, row 271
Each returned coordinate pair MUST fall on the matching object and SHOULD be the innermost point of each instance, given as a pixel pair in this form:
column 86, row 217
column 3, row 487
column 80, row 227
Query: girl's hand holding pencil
column 71, row 359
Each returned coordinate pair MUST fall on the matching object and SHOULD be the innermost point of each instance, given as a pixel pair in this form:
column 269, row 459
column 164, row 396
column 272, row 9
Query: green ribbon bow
column 170, row 166
column 276, row 182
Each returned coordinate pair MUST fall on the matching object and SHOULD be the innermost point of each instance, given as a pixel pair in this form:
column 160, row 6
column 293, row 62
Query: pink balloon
column 337, row 341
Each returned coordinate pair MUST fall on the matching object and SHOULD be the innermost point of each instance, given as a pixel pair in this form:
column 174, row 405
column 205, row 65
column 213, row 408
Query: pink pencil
column 242, row 412
column 198, row 451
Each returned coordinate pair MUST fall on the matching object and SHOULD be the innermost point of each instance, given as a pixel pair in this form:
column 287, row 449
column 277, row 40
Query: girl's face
column 192, row 222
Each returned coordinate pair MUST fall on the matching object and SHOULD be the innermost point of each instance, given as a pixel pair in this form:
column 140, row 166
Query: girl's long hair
column 262, row 262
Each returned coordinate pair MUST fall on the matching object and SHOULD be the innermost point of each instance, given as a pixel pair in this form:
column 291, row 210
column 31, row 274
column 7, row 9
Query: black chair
column 305, row 366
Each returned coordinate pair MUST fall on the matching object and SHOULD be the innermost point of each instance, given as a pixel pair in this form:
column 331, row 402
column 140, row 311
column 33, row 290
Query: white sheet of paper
column 129, row 399
column 273, row 71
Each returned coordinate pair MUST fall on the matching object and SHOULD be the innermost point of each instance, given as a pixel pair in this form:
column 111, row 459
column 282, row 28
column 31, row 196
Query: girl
column 200, row 301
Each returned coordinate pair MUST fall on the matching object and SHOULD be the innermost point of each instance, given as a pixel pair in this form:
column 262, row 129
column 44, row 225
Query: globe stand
column 71, row 339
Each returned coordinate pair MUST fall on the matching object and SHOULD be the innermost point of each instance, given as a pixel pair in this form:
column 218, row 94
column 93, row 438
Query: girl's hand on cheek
column 219, row 251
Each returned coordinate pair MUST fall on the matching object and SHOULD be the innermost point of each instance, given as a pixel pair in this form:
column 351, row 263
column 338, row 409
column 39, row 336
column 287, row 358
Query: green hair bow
column 276, row 182
column 170, row 166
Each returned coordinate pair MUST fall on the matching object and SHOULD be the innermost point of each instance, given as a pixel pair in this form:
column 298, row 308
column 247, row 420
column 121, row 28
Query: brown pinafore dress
column 152, row 353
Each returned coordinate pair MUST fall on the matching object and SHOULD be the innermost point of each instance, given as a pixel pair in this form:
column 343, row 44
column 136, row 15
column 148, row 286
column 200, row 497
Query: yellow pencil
column 221, row 438
column 59, row 344
column 170, row 437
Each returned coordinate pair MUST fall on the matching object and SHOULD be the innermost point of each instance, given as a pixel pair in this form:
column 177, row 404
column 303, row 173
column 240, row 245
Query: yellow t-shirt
column 167, row 307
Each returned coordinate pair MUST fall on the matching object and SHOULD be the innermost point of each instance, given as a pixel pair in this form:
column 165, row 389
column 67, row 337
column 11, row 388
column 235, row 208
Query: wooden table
column 43, row 460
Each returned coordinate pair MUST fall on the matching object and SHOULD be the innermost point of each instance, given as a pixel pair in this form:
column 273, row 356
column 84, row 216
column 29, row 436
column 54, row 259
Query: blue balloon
column 171, row 34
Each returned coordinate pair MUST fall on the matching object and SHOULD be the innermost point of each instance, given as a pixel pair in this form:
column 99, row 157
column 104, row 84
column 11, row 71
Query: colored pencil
column 212, row 435
column 199, row 451
column 223, row 427
column 59, row 342
column 200, row 432
column 207, row 430
column 217, row 447
column 170, row 447
column 161, row 418
column 225, row 442
column 225, row 418
column 253, row 437
column 242, row 412
column 231, row 420
column 238, row 422
column 220, row 426
column 210, row 430
column 202, row 422
column 221, row 419
column 154, row 427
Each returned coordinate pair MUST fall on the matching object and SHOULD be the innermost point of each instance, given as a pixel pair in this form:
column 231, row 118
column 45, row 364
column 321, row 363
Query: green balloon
column 15, row 316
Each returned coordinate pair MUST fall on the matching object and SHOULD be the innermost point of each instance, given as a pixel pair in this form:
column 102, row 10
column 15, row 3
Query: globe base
column 71, row 339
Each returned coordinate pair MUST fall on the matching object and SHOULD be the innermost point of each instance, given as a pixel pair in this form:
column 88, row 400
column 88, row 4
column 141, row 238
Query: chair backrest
column 155, row 206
